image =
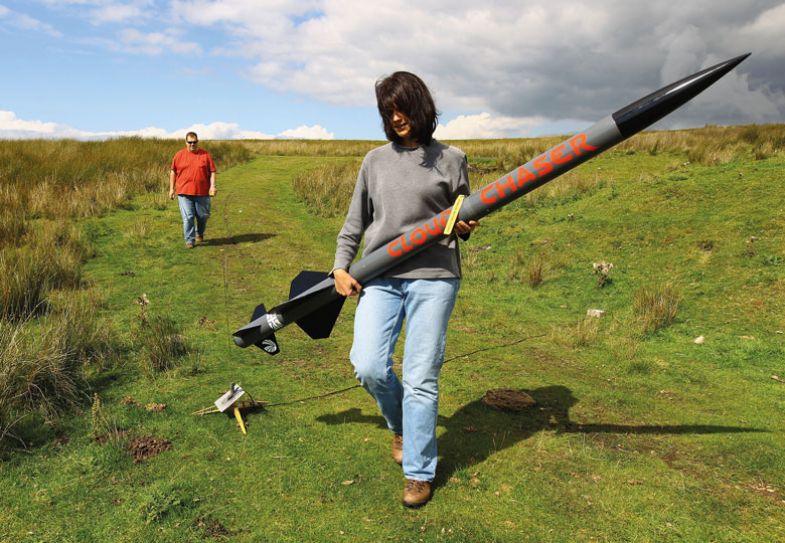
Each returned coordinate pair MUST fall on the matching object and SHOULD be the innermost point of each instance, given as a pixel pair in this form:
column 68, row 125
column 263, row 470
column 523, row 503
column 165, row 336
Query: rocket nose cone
column 720, row 69
column 650, row 109
column 735, row 61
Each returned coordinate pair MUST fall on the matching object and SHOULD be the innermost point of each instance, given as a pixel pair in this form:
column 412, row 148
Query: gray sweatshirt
column 398, row 189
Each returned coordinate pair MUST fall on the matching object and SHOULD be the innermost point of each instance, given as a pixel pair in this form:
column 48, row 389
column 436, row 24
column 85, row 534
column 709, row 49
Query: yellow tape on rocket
column 456, row 207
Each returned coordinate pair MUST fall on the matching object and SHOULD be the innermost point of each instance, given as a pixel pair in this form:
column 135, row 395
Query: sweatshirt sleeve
column 357, row 220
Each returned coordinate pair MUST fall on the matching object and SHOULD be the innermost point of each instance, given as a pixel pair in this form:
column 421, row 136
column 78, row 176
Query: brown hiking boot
column 397, row 449
column 199, row 239
column 416, row 493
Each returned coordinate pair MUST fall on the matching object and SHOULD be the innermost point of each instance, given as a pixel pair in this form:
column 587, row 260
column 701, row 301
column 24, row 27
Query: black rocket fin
column 304, row 281
column 320, row 324
column 269, row 344
column 258, row 312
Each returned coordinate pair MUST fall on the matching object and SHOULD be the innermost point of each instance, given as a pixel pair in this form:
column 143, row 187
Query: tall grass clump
column 535, row 271
column 13, row 219
column 51, row 259
column 327, row 190
column 43, row 361
column 655, row 307
column 92, row 341
column 38, row 374
column 585, row 333
column 26, row 282
column 161, row 344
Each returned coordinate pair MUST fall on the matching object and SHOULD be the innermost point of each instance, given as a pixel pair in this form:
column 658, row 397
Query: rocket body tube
column 545, row 167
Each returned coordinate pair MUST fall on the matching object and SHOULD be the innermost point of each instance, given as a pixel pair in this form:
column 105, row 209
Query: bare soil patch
column 146, row 447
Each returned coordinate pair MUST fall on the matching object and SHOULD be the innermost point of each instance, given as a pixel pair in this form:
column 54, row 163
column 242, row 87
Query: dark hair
column 193, row 134
column 406, row 93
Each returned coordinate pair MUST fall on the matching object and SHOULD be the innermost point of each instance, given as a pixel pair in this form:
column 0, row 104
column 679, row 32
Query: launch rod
column 543, row 168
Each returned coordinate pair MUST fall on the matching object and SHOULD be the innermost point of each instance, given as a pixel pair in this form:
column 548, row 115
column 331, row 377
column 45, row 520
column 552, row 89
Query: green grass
column 637, row 436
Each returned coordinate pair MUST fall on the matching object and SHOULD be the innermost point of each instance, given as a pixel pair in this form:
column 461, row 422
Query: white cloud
column 25, row 22
column 100, row 12
column 12, row 127
column 486, row 126
column 314, row 132
column 119, row 12
column 515, row 59
column 154, row 43
column 220, row 131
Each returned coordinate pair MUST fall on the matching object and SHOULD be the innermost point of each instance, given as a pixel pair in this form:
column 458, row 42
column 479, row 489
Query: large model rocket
column 313, row 302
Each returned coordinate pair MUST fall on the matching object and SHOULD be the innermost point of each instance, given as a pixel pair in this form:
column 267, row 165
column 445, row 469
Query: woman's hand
column 345, row 284
column 463, row 228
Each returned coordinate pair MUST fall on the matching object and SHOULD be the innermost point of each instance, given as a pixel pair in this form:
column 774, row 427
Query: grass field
column 639, row 434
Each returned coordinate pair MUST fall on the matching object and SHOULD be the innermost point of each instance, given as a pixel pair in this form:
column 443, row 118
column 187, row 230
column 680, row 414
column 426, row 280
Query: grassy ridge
column 328, row 188
column 640, row 434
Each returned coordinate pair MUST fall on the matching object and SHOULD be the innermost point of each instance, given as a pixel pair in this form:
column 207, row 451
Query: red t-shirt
column 192, row 172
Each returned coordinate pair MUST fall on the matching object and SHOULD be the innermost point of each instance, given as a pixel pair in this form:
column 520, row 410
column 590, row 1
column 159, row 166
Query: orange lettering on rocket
column 579, row 145
column 486, row 199
column 524, row 176
column 558, row 155
column 542, row 165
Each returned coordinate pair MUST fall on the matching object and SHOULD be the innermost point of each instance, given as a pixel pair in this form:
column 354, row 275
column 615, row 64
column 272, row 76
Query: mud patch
column 211, row 527
column 507, row 399
column 146, row 447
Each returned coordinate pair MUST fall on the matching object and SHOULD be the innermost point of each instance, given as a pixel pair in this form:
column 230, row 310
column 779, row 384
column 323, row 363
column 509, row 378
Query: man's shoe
column 189, row 245
column 397, row 448
column 416, row 493
column 199, row 239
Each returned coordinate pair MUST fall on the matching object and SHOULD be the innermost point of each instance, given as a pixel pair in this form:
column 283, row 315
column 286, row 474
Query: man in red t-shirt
column 192, row 178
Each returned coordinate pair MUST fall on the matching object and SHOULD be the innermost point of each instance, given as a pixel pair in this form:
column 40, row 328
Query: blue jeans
column 194, row 207
column 410, row 408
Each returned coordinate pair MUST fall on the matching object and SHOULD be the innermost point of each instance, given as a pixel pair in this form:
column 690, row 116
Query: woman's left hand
column 463, row 227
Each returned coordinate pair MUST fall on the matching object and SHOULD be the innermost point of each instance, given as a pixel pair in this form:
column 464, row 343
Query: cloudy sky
column 306, row 68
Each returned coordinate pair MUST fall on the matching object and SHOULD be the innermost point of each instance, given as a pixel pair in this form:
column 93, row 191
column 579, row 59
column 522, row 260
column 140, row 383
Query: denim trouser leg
column 194, row 207
column 377, row 324
column 187, row 212
column 202, row 205
column 410, row 408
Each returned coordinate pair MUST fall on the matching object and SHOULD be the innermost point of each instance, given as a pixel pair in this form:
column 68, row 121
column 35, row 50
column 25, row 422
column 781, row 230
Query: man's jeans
column 409, row 408
column 194, row 207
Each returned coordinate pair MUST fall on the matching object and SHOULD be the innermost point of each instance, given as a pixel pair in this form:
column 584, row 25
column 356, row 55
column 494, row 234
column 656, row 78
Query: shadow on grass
column 239, row 238
column 476, row 431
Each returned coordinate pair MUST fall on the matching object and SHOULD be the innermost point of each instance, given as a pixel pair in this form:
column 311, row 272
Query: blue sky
column 306, row 68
